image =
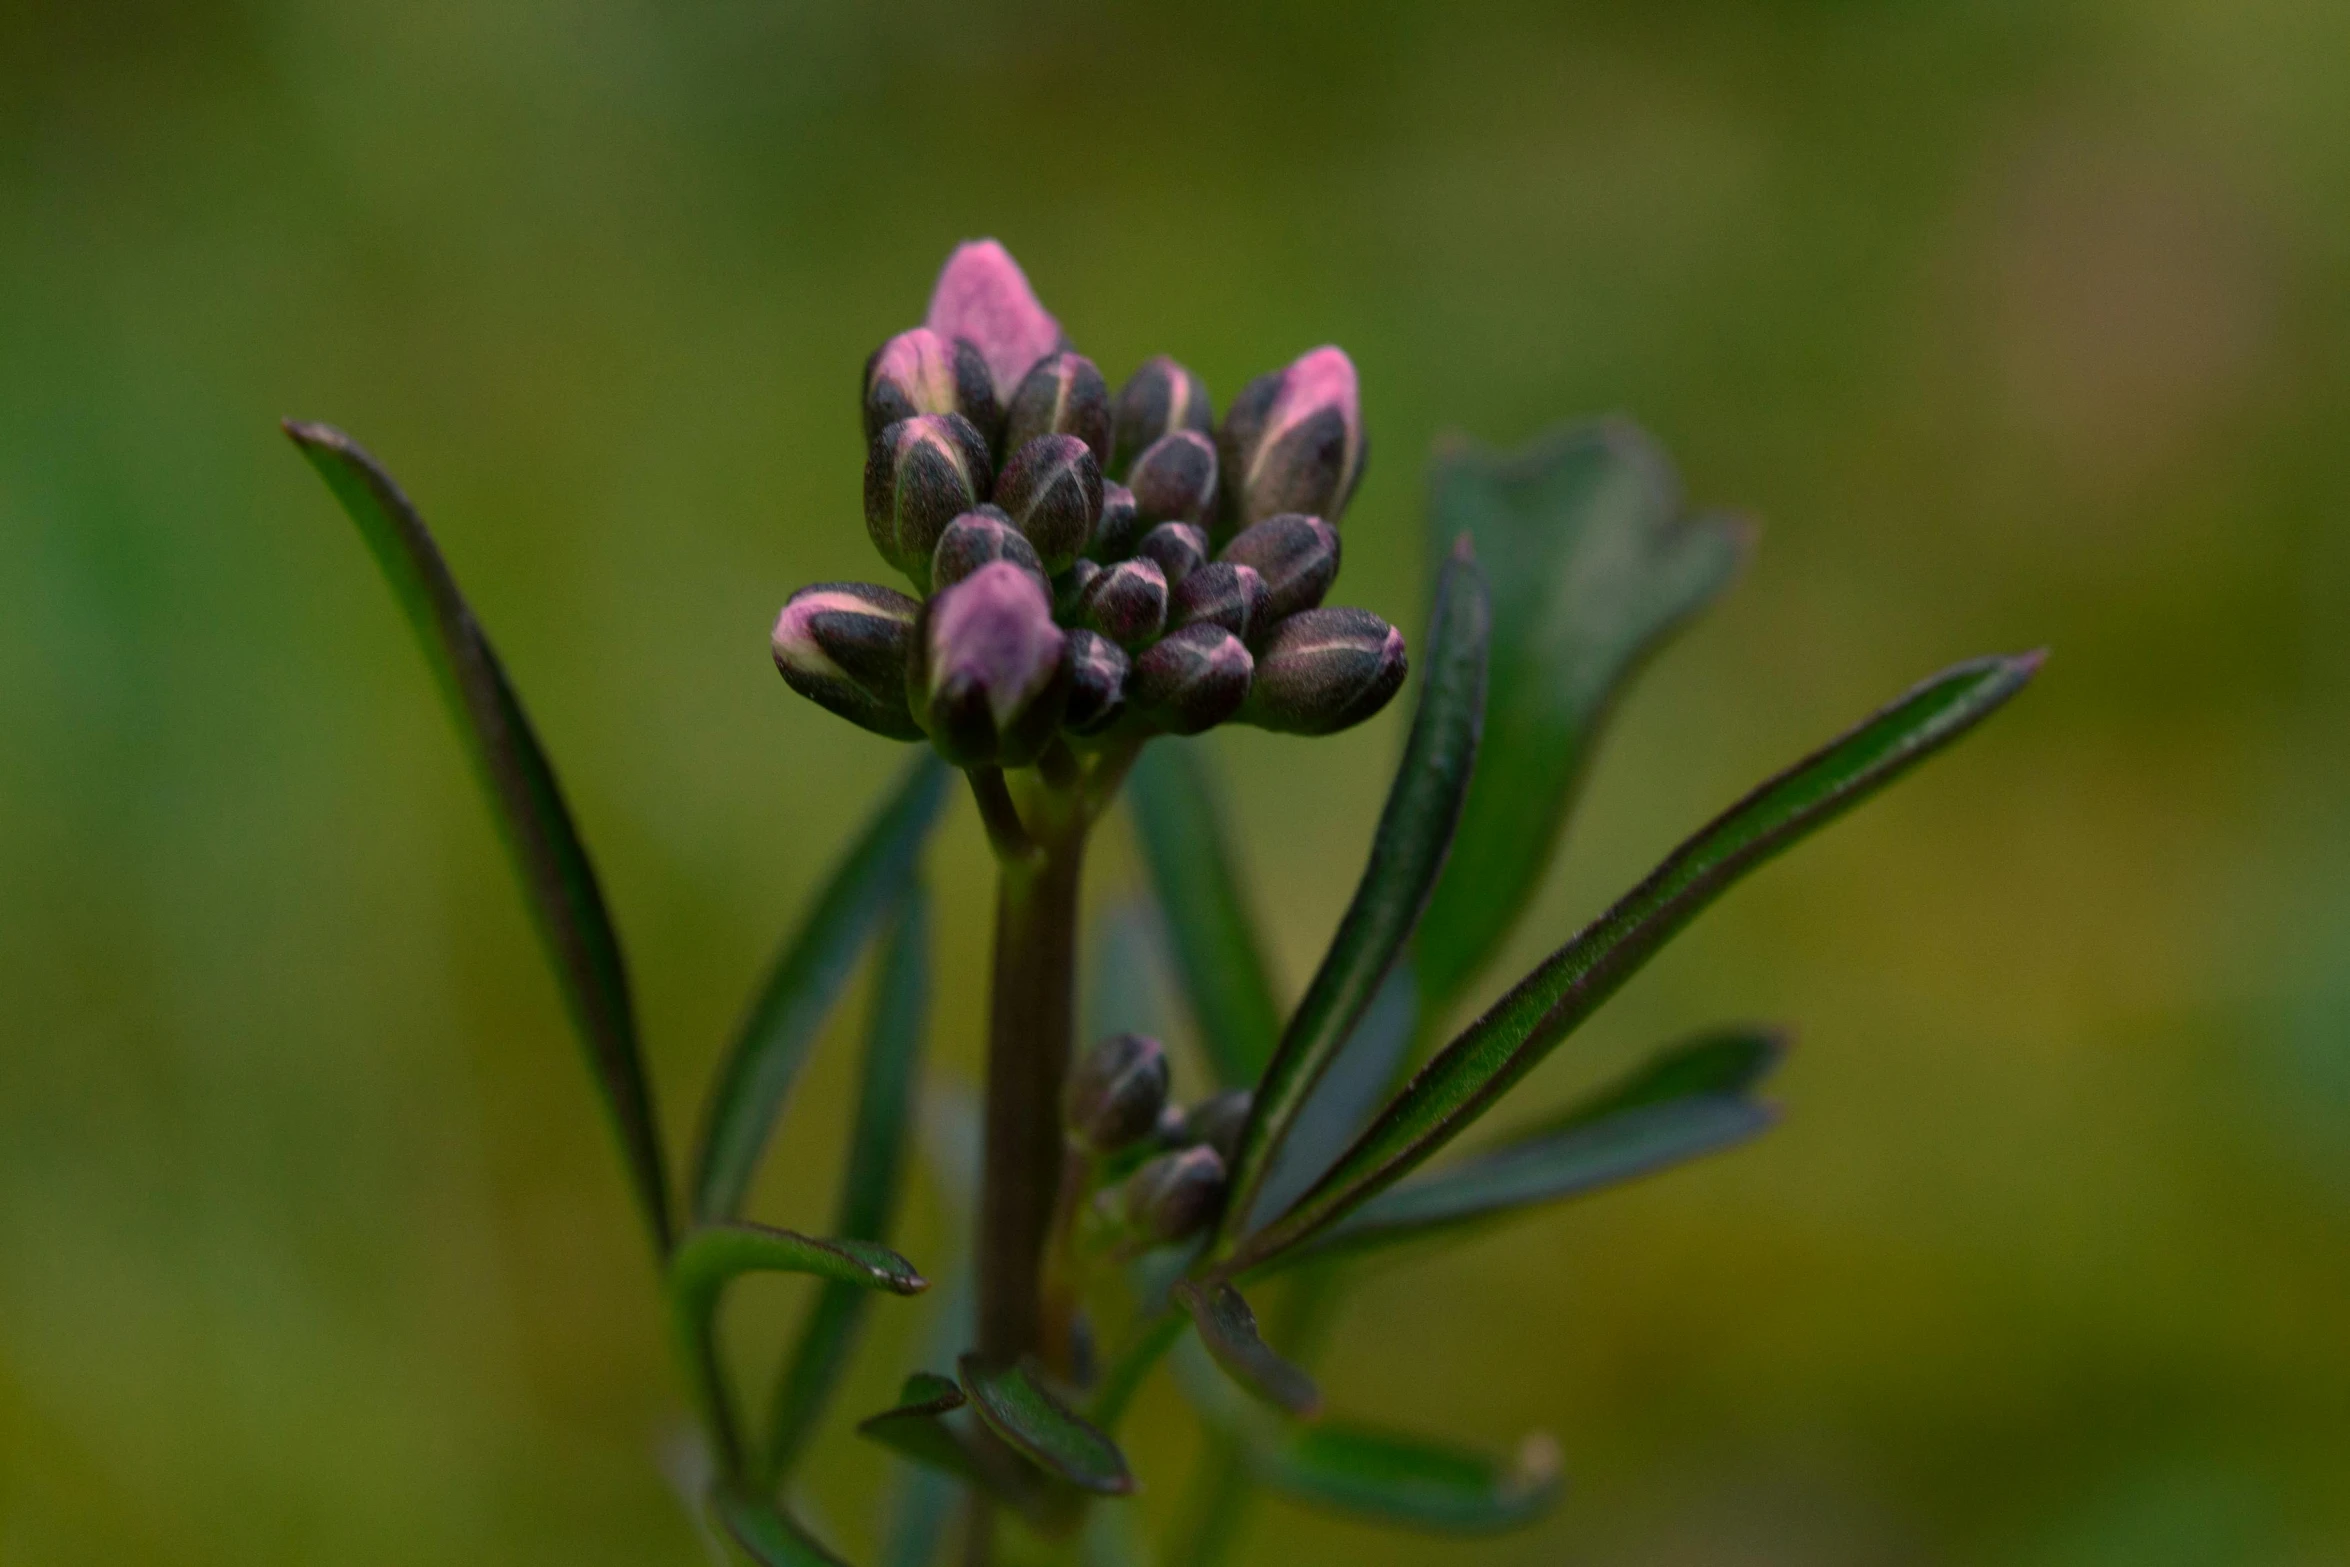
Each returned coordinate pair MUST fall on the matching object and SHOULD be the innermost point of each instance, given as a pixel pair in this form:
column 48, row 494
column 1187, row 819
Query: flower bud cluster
column 1084, row 565
column 1168, row 1163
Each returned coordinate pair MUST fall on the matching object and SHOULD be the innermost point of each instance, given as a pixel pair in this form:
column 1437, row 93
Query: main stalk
column 1030, row 1022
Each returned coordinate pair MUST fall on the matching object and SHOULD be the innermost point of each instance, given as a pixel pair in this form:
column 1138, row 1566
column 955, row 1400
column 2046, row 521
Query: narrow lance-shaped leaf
column 1020, row 1409
column 1415, row 830
column 770, row 1536
column 558, row 882
column 748, row 1094
column 1179, row 821
column 713, row 1256
column 1409, row 1482
column 1594, row 564
column 1358, row 1083
column 1501, row 1047
column 1228, row 1331
column 1695, row 1099
column 869, row 1190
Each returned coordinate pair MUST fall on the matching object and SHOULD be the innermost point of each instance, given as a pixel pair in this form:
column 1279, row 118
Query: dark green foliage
column 1406, row 854
column 1178, row 816
column 748, row 1094
column 1593, row 563
column 1407, row 1482
column 558, row 882
column 1020, row 1409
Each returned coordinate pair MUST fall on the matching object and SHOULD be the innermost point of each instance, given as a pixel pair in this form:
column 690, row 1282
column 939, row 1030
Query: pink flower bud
column 1063, row 395
column 1293, row 441
column 983, row 297
column 922, row 474
column 843, row 645
column 919, row 372
column 990, row 668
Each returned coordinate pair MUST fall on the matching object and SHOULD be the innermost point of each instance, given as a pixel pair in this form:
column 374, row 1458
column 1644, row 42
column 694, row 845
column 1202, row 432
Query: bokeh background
column 2016, row 323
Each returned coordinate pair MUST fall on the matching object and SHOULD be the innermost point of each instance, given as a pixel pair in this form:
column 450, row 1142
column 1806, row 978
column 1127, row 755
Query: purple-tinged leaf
column 1228, row 1331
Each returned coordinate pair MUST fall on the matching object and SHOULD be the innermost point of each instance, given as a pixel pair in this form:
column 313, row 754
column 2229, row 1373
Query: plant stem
column 1028, row 1041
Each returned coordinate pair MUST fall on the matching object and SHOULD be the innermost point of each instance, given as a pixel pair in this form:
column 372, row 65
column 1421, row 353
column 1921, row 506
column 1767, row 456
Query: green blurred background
column 2014, row 322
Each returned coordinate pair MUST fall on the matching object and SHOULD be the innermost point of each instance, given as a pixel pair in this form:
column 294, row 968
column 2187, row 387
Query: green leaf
column 1487, row 1059
column 1228, row 1331
column 1019, row 1408
column 770, row 1536
column 869, row 1191
column 713, row 1256
column 916, row 1428
column 747, row 1096
column 1409, row 1482
column 1358, row 1083
column 1179, row 820
column 1693, row 1100
column 1415, row 830
column 558, row 882
column 1593, row 564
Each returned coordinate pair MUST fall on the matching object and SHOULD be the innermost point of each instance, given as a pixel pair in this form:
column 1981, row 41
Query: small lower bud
column 1063, row 395
column 1052, row 489
column 1323, row 670
column 1192, row 679
column 1098, row 671
column 990, row 669
column 973, row 540
column 1220, row 594
column 1218, row 1122
column 1126, row 603
column 1175, row 480
column 843, row 645
column 1176, row 1195
column 1297, row 556
column 921, row 474
column 1177, row 547
column 1115, row 1093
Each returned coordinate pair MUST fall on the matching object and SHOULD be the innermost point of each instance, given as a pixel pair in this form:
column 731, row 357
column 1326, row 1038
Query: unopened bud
column 1177, row 548
column 921, row 474
column 1115, row 1092
column 972, row 541
column 1163, row 397
column 1176, row 1195
column 1293, row 441
column 1220, row 594
column 1126, row 603
column 1063, row 395
column 1052, row 489
column 1297, row 556
column 1192, row 679
column 990, row 669
column 1323, row 670
column 1098, row 669
column 1218, row 1122
column 1174, row 480
column 1119, row 528
column 920, row 372
column 843, row 646
column 984, row 297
